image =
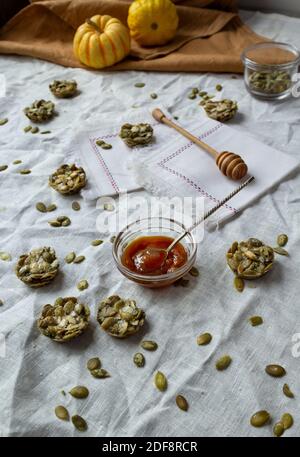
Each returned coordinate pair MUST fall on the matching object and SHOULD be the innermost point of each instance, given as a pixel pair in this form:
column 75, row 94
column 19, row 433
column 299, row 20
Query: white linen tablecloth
column 34, row 370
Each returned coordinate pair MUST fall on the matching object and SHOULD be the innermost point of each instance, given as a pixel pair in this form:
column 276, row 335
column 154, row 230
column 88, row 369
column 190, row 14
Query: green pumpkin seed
column 25, row 171
column 59, row 301
column 287, row 420
column 79, row 392
column 54, row 223
column 154, row 96
column 3, row 167
column 278, row 429
column 160, row 381
column 82, row 285
column 79, row 423
column 149, row 345
column 40, row 206
column 96, row 242
column 51, row 208
column 192, row 96
column 108, row 207
column 70, row 257
column 139, row 359
column 202, row 93
column 277, row 371
column 239, row 284
column 76, row 206
column 223, row 362
column 100, row 373
column 219, row 87
column 260, row 418
column 79, row 259
column 139, row 85
column 35, row 130
column 112, row 239
column 3, row 121
column 27, row 129
column 63, row 393
column 44, row 132
column 256, row 320
column 282, row 240
column 280, row 251
column 5, row 256
column 17, row 162
column 204, row 339
column 287, row 391
column 66, row 222
column 182, row 403
column 176, row 118
column 99, row 142
column 1, row 303
column 93, row 364
column 62, row 413
column 106, row 146
column 194, row 272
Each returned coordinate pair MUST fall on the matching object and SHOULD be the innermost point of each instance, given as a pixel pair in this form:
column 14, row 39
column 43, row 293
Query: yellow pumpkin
column 152, row 22
column 101, row 41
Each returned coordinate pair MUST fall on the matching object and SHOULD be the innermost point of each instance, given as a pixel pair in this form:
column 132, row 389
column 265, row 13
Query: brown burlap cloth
column 210, row 36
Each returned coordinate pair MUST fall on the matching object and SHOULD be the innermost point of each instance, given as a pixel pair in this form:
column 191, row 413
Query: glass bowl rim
column 290, row 47
column 154, row 278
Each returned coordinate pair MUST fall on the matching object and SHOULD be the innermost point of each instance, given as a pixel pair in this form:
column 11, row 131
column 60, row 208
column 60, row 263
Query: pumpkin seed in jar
column 62, row 413
column 287, row 420
column 160, row 381
column 139, row 359
column 100, row 373
column 96, row 242
column 3, row 121
column 204, row 339
column 51, row 207
column 194, row 272
column 239, row 284
column 79, row 392
column 79, row 259
column 149, row 345
column 260, row 418
column 256, row 320
column 139, row 85
column 79, row 423
column 287, row 391
column 108, row 207
column 282, row 240
column 70, row 257
column 93, row 364
column 278, row 429
column 153, row 95
column 279, row 250
column 277, row 371
column 76, row 206
column 82, row 285
column 3, row 167
column 182, row 403
column 223, row 362
column 41, row 207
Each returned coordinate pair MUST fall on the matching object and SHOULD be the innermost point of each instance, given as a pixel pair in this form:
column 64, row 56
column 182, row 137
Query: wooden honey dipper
column 230, row 164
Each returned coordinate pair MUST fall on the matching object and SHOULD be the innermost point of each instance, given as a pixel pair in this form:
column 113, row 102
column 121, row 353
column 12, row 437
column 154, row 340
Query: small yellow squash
column 152, row 22
column 101, row 41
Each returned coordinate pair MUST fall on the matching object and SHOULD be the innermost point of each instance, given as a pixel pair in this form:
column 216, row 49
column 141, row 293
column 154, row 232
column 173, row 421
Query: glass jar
column 269, row 69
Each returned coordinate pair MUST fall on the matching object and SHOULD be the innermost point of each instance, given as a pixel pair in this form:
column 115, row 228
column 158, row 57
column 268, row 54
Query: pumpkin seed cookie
column 65, row 320
column 222, row 110
column 63, row 89
column 40, row 111
column 136, row 135
column 120, row 317
column 250, row 259
column 68, row 179
column 37, row 268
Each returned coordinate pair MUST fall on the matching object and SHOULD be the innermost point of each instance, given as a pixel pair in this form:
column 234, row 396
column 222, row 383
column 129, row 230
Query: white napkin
column 183, row 169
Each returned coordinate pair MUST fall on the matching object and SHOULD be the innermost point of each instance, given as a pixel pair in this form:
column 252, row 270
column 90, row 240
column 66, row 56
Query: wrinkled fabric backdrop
column 34, row 370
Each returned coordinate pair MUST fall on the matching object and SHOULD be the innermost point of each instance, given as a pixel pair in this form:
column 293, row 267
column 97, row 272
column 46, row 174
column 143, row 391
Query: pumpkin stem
column 93, row 24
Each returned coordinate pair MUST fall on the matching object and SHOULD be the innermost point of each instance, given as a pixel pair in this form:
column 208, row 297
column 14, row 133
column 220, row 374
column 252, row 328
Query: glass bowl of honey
column 138, row 247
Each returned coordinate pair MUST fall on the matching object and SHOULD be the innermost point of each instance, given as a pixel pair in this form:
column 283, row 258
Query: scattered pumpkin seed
column 106, row 146
column 51, row 207
column 35, row 130
column 202, row 93
column 63, row 393
column 282, row 240
column 287, row 420
column 17, row 162
column 70, row 257
column 139, row 359
column 204, row 339
column 25, row 171
column 219, row 87
column 3, row 167
column 223, row 362
column 182, row 403
column 99, row 142
column 160, row 381
column 184, row 282
column 149, row 345
column 239, row 284
column 279, row 250
column 1, row 303
column 278, row 429
column 256, row 320
column 96, row 242
column 93, row 364
column 79, row 259
column 287, row 391
column 83, row 284
column 139, row 85
column 44, row 132
column 194, row 272
column 192, row 96
column 100, row 373
column 27, row 128
column 260, row 418
column 108, row 207
column 41, row 207
column 62, row 413
column 79, row 392
column 112, row 239
column 79, row 423
column 76, row 206
column 176, row 118
column 54, row 223
column 154, row 95
column 3, row 121
column 277, row 371
column 5, row 256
